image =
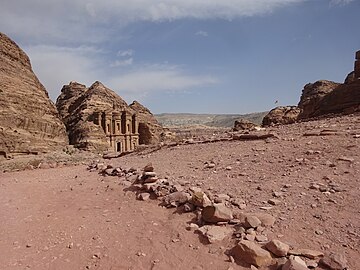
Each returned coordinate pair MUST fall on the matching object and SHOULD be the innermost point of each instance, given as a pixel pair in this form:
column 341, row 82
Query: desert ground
column 72, row 218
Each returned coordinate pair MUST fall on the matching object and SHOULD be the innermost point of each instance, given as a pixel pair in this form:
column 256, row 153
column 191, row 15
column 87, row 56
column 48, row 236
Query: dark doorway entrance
column 118, row 147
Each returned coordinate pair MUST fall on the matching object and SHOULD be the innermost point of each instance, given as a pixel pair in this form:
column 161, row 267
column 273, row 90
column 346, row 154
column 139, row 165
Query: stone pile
column 219, row 218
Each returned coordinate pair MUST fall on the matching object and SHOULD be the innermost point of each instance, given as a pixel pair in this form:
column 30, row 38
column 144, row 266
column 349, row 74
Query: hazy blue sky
column 200, row 56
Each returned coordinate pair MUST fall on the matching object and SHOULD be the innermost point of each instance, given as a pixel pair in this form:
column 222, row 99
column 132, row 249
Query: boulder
column 216, row 213
column 292, row 264
column 281, row 115
column 200, row 199
column 215, row 233
column 252, row 253
column 277, row 248
column 243, row 124
column 29, row 121
column 326, row 97
column 334, row 261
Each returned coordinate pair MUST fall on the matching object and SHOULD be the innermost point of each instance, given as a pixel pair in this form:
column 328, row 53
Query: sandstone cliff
column 78, row 104
column 29, row 121
column 149, row 128
column 322, row 98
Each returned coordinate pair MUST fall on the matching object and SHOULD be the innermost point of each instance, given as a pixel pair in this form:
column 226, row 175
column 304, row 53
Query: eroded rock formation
column 98, row 119
column 281, row 115
column 29, row 121
column 322, row 98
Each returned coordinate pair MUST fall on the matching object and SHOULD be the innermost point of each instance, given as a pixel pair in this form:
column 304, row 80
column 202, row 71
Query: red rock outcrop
column 29, row 121
column 79, row 107
column 150, row 130
column 312, row 96
column 281, row 115
column 322, row 98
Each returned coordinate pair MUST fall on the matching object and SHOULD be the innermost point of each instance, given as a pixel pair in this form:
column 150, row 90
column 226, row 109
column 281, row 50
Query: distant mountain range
column 211, row 120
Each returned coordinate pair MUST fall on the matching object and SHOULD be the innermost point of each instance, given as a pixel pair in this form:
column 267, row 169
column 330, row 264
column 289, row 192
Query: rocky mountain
column 29, row 121
column 322, row 98
column 78, row 106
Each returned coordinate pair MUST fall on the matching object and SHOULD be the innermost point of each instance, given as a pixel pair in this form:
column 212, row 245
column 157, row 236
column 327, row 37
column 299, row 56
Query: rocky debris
column 243, row 124
column 215, row 233
column 294, row 263
column 78, row 106
column 216, row 213
column 253, row 136
column 216, row 221
column 281, row 115
column 252, row 253
column 277, row 248
column 29, row 121
column 200, row 199
column 308, row 253
column 252, row 222
column 334, row 261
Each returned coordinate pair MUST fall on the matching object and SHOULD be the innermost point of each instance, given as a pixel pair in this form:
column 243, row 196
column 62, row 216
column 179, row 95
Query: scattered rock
column 277, row 248
column 252, row 253
column 334, row 261
column 216, row 213
column 252, row 222
column 215, row 233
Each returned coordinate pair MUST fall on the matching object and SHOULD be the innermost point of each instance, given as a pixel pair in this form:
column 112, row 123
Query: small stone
column 250, row 237
column 294, row 264
column 261, row 238
column 216, row 213
column 252, row 253
column 144, row 196
column 278, row 248
column 189, row 207
column 319, row 232
column 200, row 199
column 215, row 233
column 228, row 168
column 274, row 201
column 192, row 227
column 312, row 264
column 334, row 261
column 308, row 253
column 148, row 168
column 252, row 222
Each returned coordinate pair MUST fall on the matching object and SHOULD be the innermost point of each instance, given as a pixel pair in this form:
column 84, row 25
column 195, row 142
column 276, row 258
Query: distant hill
column 210, row 120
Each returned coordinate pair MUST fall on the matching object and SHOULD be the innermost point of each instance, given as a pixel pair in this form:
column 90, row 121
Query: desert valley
column 91, row 182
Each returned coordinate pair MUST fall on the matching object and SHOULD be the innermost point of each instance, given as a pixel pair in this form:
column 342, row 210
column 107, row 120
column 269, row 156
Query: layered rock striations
column 29, row 121
column 85, row 112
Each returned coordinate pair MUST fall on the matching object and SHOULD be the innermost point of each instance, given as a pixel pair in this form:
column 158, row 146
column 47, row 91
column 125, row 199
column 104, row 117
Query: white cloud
column 125, row 53
column 56, row 66
column 122, row 63
column 202, row 33
column 158, row 78
column 340, row 2
column 95, row 21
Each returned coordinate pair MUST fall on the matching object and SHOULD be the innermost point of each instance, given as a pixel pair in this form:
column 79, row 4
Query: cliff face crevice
column 29, row 121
